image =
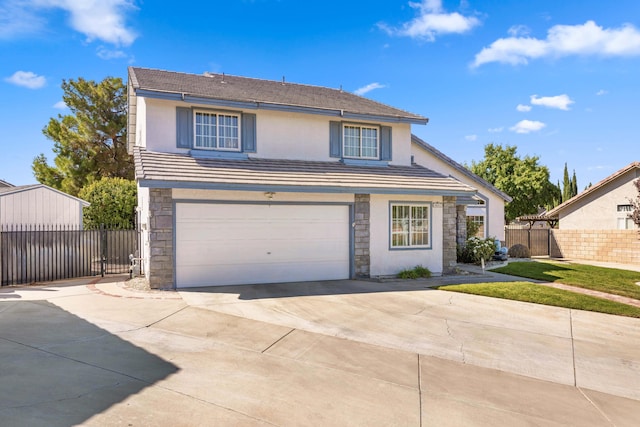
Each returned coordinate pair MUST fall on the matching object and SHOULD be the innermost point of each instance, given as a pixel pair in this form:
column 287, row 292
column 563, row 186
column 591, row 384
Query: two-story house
column 244, row 181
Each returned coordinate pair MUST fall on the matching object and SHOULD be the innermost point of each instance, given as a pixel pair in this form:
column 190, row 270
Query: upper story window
column 217, row 131
column 360, row 142
column 211, row 133
column 625, row 208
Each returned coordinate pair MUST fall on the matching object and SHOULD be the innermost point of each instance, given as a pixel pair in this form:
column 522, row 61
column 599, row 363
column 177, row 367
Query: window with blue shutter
column 184, row 127
column 360, row 143
column 211, row 131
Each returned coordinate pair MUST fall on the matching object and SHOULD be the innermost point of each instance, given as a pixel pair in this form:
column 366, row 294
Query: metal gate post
column 103, row 249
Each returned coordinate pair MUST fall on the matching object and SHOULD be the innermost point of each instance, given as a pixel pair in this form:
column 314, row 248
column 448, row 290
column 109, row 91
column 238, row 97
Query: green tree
column 90, row 143
column 113, row 202
column 526, row 181
column 574, row 184
column 566, row 185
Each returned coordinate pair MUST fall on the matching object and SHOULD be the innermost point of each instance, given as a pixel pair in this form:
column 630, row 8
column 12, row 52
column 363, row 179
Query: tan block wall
column 621, row 246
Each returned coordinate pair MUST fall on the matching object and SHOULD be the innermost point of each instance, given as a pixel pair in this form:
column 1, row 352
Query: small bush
column 476, row 250
column 415, row 273
column 519, row 251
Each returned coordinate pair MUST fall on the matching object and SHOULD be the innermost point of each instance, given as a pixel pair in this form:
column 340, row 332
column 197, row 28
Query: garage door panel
column 218, row 244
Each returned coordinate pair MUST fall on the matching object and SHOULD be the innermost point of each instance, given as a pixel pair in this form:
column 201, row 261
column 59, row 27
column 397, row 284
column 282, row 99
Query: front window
column 410, row 225
column 217, row 131
column 360, row 142
column 478, row 220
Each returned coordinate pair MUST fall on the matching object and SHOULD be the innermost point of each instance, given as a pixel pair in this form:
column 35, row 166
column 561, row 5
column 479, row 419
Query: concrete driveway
column 332, row 353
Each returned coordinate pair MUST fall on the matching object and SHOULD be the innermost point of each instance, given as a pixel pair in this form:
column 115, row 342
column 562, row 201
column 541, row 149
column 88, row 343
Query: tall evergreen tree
column 566, row 185
column 90, row 143
column 574, row 184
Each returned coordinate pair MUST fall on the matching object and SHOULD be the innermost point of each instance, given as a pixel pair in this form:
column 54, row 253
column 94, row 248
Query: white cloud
column 561, row 102
column 97, row 19
column 602, row 92
column 27, row 79
column 563, row 40
column 495, row 130
column 432, row 21
column 60, row 105
column 471, row 137
column 104, row 53
column 368, row 88
column 523, row 108
column 17, row 20
column 519, row 30
column 527, row 126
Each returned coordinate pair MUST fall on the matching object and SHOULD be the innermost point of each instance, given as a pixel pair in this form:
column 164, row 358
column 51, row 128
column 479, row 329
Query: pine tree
column 574, row 184
column 566, row 185
column 90, row 143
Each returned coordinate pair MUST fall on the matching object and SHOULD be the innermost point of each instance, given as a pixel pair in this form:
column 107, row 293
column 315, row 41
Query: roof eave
column 197, row 185
column 256, row 105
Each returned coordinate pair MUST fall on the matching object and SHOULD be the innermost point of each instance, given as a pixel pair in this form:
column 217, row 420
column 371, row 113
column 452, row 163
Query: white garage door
column 231, row 244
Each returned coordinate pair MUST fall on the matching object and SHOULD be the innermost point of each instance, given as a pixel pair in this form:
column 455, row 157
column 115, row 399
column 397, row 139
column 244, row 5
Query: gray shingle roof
column 257, row 91
column 168, row 170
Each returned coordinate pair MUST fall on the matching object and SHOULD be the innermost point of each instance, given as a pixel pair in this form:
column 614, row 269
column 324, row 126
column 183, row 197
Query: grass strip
column 540, row 294
column 609, row 280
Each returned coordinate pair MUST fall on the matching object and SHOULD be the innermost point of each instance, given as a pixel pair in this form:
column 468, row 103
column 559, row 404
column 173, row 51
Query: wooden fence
column 538, row 240
column 30, row 254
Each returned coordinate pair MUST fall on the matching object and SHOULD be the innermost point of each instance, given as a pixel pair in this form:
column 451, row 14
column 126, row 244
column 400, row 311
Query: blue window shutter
column 335, row 139
column 184, row 127
column 385, row 143
column 248, row 133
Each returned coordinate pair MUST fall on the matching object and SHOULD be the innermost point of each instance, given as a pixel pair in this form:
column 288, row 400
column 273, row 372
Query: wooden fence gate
column 538, row 240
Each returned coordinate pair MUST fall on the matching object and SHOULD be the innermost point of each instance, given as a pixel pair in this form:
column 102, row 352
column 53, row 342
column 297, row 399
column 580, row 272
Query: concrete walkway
column 326, row 353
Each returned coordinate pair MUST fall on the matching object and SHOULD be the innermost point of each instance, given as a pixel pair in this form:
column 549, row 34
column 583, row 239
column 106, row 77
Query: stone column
column 160, row 272
column 461, row 220
column 448, row 234
column 362, row 235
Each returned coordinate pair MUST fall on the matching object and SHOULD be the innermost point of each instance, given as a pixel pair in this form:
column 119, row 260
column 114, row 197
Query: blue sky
column 557, row 79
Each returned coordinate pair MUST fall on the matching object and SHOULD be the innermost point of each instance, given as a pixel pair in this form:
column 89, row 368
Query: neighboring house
column 485, row 208
column 5, row 184
column 30, row 205
column 245, row 181
column 603, row 206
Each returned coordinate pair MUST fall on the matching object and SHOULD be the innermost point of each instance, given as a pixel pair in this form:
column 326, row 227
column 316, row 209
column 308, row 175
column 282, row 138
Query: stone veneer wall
column 621, row 246
column 362, row 235
column 160, row 272
column 461, row 225
column 449, row 234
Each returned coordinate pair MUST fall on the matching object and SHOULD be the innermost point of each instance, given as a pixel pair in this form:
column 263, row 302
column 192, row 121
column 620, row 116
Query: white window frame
column 360, row 127
column 408, row 226
column 218, row 115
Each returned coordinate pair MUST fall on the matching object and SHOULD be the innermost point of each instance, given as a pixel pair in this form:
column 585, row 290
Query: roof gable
column 633, row 167
column 457, row 166
column 22, row 188
column 243, row 92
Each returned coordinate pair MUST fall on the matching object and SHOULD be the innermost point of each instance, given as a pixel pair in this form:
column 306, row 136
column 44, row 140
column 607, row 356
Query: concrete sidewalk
column 327, row 353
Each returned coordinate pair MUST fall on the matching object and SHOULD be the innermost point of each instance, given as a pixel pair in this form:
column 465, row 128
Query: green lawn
column 539, row 294
column 610, row 280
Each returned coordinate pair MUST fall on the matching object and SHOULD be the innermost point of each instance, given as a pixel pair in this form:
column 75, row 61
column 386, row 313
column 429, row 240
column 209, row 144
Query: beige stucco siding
column 280, row 135
column 386, row 261
column 494, row 219
column 598, row 211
